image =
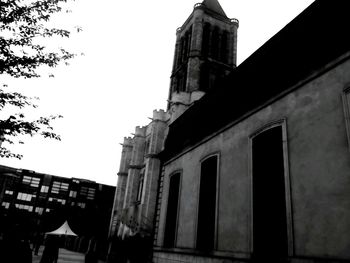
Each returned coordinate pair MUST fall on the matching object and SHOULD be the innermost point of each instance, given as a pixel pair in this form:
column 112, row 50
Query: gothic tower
column 206, row 47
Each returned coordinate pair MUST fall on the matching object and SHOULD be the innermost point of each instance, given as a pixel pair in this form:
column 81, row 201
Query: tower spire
column 215, row 6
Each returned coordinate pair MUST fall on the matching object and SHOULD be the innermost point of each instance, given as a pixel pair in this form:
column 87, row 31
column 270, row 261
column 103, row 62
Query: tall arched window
column 269, row 195
column 172, row 211
column 206, row 225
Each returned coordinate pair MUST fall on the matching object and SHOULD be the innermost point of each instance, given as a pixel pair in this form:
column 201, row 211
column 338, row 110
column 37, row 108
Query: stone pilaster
column 197, row 33
column 232, row 56
column 121, row 184
column 136, row 164
column 193, row 74
column 157, row 136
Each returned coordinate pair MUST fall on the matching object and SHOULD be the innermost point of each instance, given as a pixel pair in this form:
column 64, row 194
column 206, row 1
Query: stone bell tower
column 206, row 48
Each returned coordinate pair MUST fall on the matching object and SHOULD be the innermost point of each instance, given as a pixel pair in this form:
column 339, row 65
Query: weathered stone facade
column 316, row 178
column 138, row 176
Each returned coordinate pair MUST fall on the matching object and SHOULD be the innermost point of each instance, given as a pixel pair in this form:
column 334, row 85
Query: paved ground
column 65, row 256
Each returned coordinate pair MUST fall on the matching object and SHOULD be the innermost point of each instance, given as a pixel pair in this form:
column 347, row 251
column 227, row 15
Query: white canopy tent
column 63, row 230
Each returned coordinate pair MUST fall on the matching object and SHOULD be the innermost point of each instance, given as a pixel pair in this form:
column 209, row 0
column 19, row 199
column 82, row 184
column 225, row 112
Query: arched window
column 172, row 211
column 269, row 194
column 206, row 224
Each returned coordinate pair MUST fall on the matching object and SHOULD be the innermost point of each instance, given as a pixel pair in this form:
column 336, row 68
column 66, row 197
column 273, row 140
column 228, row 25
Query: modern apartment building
column 40, row 203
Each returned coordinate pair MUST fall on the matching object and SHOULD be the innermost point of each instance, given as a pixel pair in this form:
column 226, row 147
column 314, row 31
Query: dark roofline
column 6, row 169
column 313, row 39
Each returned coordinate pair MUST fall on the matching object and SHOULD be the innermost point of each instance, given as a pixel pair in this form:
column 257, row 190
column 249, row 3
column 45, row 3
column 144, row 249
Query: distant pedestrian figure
column 50, row 253
column 37, row 243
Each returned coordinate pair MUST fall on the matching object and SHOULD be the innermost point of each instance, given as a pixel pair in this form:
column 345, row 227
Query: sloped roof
column 214, row 6
column 316, row 37
column 63, row 230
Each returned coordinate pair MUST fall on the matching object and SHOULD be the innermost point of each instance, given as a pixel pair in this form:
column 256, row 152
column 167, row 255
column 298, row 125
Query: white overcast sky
column 124, row 75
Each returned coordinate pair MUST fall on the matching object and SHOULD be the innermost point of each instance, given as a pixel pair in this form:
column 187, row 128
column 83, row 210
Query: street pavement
column 64, row 256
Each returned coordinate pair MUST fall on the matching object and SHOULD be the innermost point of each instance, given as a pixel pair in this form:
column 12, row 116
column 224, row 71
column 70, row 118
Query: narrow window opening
column 224, row 47
column 172, row 211
column 205, row 40
column 215, row 43
column 189, row 36
column 184, row 48
column 269, row 200
column 207, row 205
column 140, row 188
column 180, row 52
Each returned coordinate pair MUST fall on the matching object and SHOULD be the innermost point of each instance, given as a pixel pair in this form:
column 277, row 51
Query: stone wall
column 318, row 167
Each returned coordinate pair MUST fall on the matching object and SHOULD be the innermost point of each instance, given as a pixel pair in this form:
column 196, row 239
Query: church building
column 248, row 162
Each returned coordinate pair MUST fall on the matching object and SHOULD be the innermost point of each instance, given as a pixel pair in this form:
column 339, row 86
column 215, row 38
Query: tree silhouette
column 23, row 27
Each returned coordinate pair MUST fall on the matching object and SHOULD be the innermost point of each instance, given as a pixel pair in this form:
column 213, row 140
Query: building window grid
column 84, row 190
column 25, row 196
column 58, row 200
column 73, row 194
column 32, row 181
column 91, row 193
column 6, row 205
column 44, row 189
column 9, row 192
column 59, row 186
column 39, row 210
column 24, row 207
column 82, row 205
column 88, row 192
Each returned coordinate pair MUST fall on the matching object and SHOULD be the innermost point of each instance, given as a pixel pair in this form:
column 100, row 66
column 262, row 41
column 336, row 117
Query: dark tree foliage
column 23, row 26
